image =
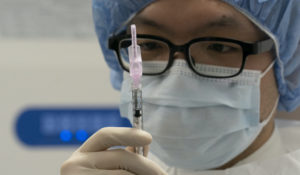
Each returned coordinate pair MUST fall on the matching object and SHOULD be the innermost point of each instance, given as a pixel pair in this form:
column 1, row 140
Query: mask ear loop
column 271, row 113
column 268, row 69
column 277, row 99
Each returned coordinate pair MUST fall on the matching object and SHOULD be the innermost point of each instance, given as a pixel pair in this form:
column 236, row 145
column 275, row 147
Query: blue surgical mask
column 199, row 123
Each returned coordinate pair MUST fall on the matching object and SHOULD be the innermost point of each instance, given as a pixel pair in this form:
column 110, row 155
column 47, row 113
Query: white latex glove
column 94, row 158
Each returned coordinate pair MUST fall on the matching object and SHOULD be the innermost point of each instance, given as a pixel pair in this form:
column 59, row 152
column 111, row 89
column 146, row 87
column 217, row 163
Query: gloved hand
column 95, row 158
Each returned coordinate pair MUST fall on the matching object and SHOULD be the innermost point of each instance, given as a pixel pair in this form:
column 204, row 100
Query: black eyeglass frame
column 248, row 49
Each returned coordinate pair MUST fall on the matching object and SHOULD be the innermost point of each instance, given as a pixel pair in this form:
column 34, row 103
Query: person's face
column 181, row 21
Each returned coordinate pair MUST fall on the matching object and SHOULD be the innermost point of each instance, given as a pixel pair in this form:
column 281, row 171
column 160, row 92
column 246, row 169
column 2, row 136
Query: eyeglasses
column 157, row 54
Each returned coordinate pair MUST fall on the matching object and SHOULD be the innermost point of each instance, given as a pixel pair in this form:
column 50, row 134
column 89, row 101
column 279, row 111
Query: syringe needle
column 136, row 72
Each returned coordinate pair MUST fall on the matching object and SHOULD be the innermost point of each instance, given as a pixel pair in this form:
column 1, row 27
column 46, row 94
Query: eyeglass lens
column 205, row 56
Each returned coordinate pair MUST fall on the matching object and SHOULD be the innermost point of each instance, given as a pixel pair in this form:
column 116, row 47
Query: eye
column 221, row 48
column 149, row 46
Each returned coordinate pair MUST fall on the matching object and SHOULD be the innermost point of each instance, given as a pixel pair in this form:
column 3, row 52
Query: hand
column 95, row 158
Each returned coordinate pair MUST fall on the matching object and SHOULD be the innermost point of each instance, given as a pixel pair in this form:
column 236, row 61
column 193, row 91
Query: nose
column 179, row 55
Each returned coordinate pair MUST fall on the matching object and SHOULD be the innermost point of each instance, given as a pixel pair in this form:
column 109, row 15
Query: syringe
column 136, row 72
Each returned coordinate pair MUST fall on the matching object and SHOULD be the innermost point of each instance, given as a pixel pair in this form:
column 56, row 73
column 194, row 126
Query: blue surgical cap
column 277, row 18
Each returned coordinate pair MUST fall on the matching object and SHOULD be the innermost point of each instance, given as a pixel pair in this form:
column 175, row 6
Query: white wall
column 44, row 72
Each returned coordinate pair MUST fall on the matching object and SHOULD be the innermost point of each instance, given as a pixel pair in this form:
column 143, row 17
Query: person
column 214, row 73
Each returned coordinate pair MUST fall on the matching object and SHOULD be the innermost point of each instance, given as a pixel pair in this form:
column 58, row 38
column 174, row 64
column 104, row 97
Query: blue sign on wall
column 49, row 127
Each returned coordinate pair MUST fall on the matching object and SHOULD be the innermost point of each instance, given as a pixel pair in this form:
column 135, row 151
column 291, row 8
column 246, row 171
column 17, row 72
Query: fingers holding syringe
column 120, row 159
column 116, row 136
column 145, row 150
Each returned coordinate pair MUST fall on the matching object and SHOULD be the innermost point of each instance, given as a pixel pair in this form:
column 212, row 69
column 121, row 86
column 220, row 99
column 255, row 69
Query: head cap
column 278, row 18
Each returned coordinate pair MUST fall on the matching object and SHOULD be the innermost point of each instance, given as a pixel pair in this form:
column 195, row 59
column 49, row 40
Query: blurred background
column 54, row 84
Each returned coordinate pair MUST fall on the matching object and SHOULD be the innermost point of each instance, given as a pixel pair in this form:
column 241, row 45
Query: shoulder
column 288, row 163
column 285, row 164
column 289, row 131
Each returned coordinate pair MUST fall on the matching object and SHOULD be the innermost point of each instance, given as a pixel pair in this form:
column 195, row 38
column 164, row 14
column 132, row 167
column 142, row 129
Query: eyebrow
column 148, row 22
column 223, row 21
